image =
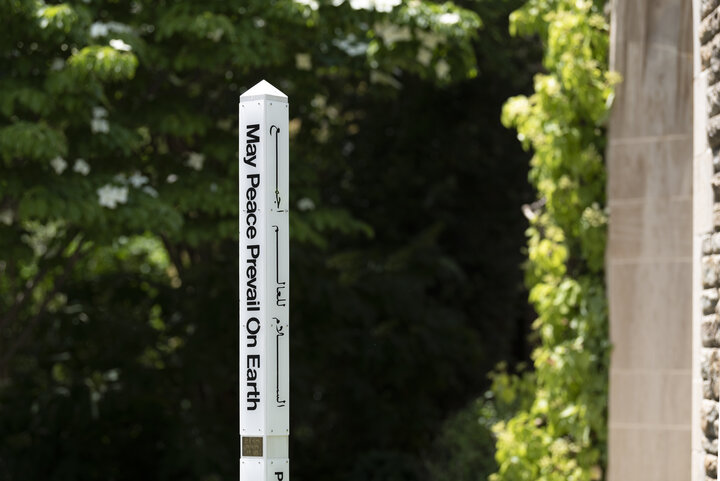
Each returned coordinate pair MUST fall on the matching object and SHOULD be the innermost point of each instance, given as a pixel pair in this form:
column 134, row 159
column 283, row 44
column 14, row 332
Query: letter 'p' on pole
column 264, row 285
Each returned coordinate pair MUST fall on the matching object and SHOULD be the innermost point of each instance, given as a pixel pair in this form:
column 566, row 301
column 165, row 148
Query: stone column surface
column 706, row 239
column 649, row 261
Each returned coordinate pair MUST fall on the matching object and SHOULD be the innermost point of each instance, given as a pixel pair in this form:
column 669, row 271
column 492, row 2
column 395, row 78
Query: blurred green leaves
column 560, row 433
column 30, row 141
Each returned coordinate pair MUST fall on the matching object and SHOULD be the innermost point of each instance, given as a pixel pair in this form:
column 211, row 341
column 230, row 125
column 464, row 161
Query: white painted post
column 264, row 285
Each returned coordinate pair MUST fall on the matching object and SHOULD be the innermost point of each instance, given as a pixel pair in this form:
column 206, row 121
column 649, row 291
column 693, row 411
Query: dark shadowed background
column 118, row 221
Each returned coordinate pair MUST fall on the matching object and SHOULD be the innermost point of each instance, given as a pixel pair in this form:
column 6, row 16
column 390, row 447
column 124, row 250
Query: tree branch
column 174, row 257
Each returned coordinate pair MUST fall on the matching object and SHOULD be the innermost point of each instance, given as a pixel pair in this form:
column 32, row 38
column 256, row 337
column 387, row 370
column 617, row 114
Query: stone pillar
column 650, row 245
column 706, row 239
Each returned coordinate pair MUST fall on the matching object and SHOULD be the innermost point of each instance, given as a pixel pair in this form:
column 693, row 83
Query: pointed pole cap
column 263, row 90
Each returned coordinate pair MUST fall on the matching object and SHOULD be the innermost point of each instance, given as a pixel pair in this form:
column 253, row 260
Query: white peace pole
column 264, row 285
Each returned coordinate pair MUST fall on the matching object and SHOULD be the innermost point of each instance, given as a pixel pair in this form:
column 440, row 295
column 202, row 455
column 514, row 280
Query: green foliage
column 105, row 63
column 30, row 141
column 561, row 433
